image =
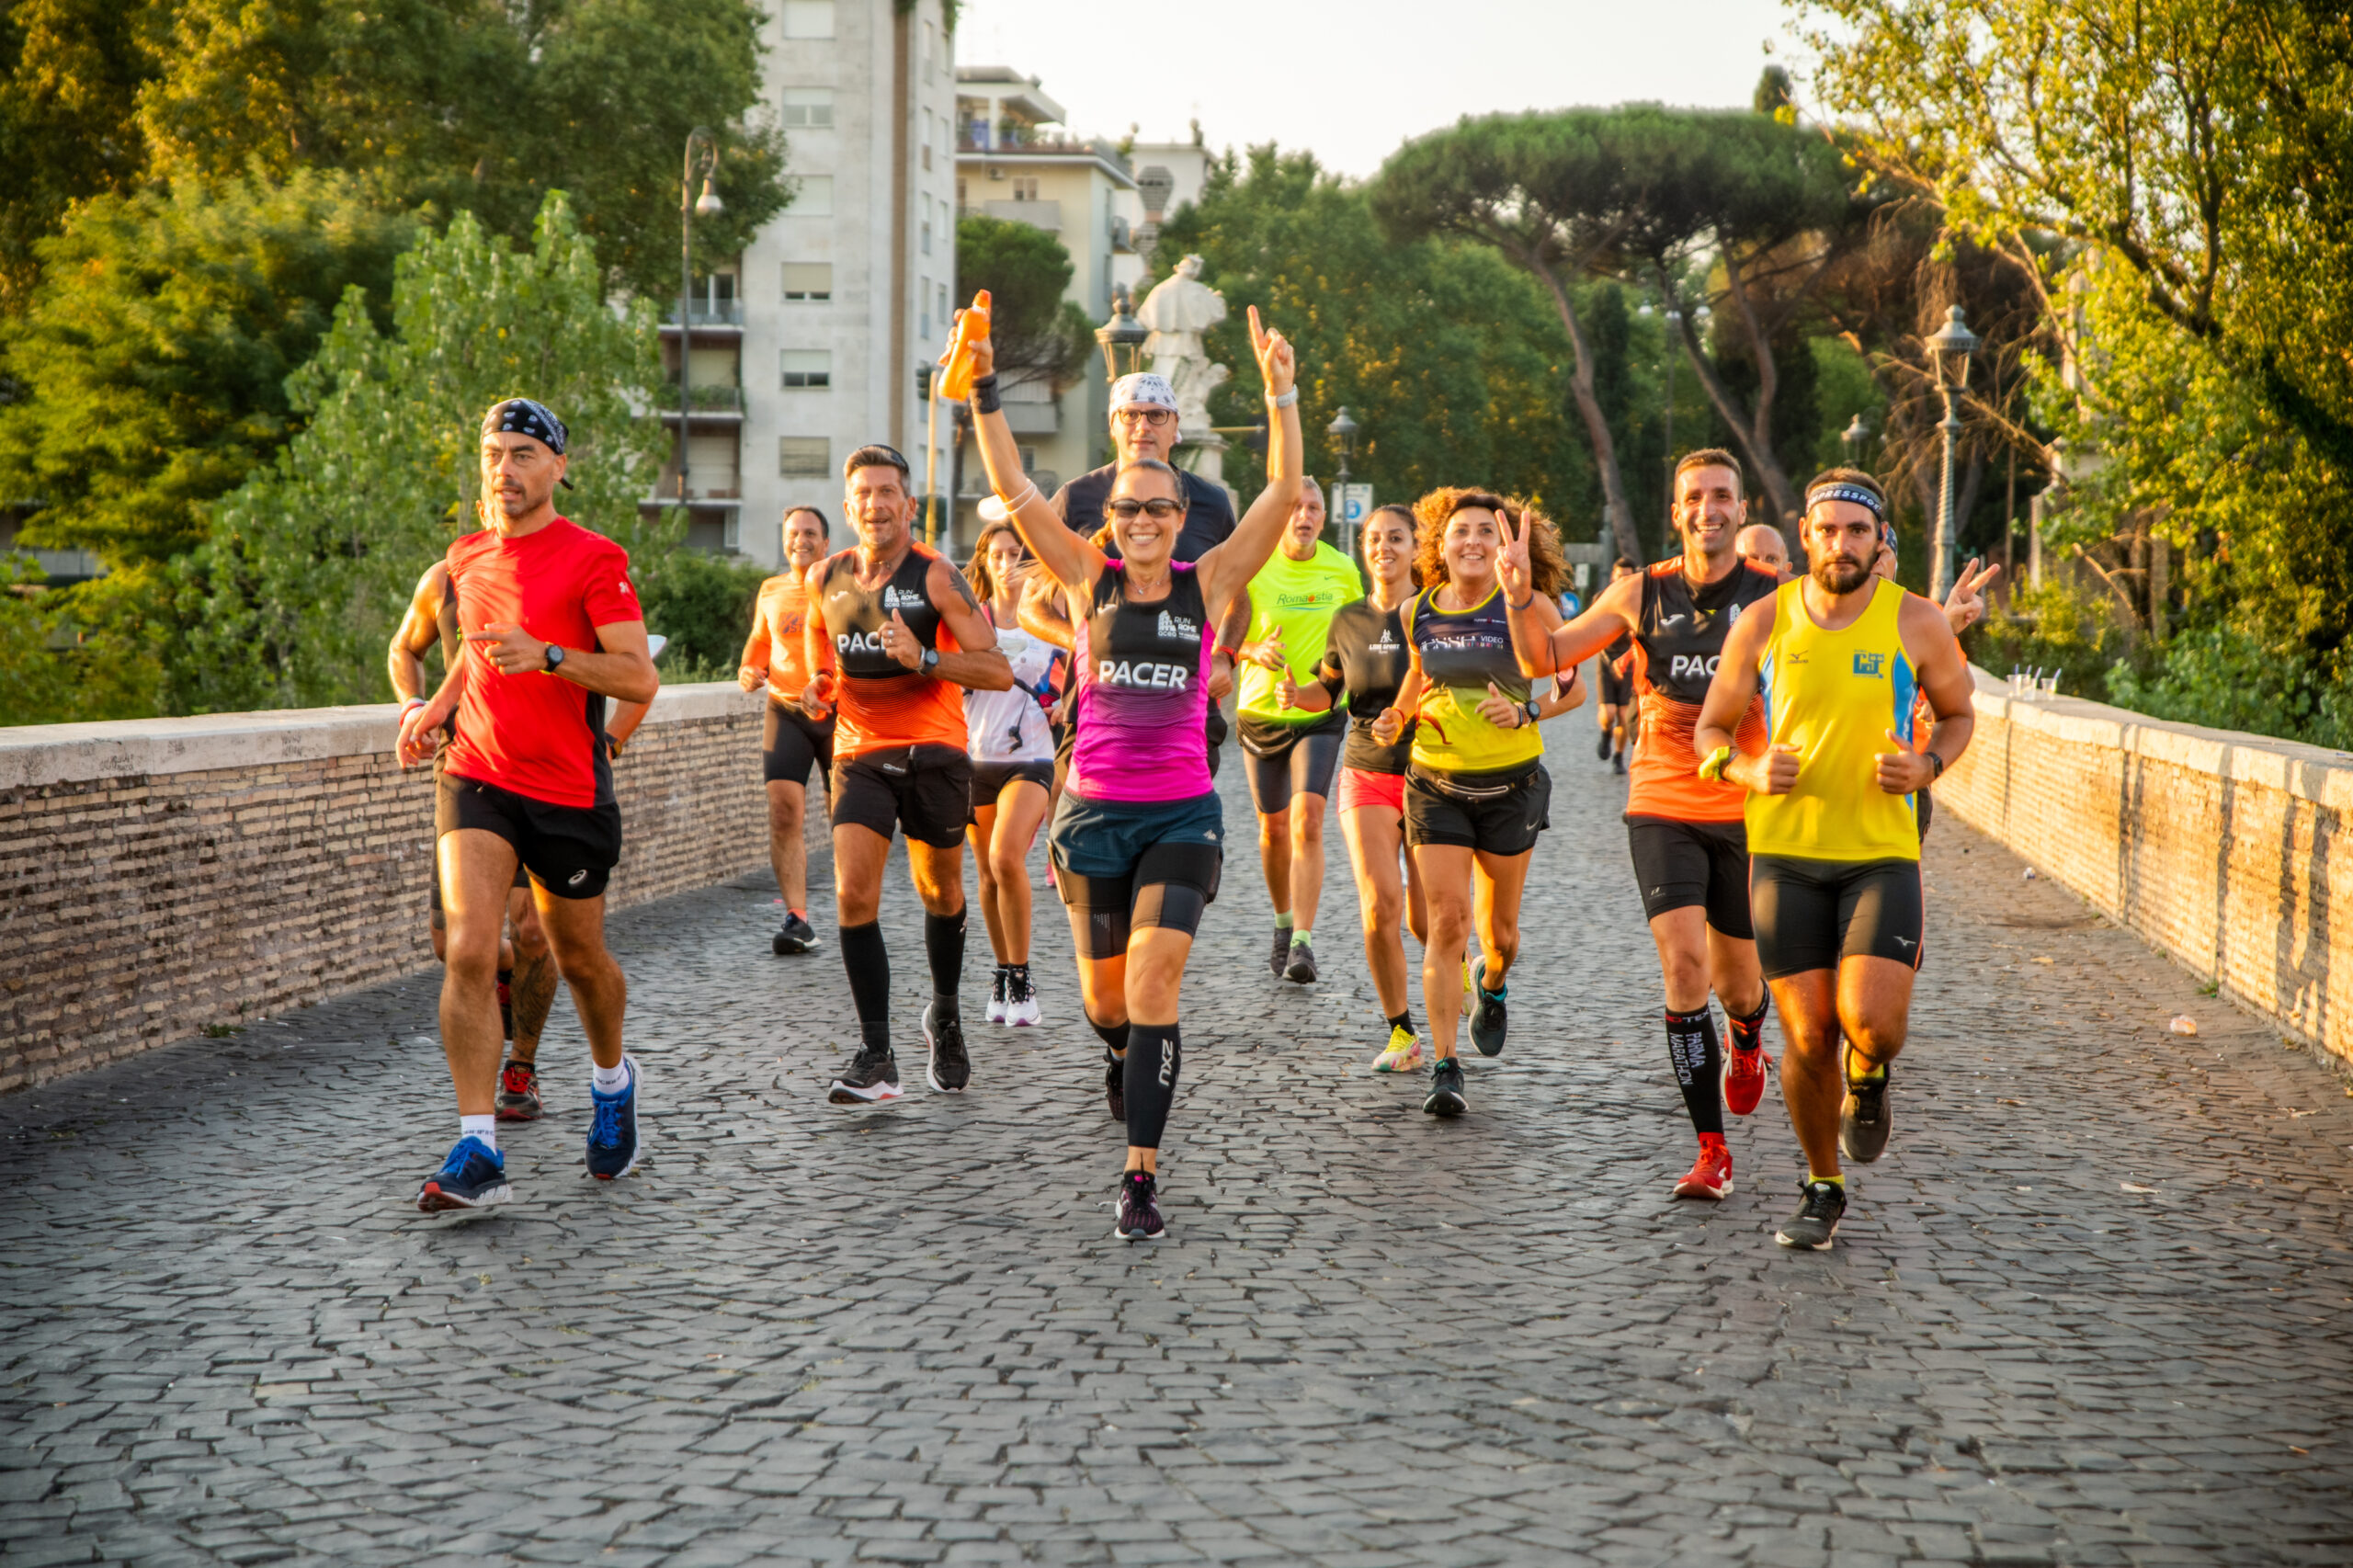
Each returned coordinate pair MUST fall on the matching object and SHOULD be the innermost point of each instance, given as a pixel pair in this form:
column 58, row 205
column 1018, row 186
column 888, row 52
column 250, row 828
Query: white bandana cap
column 1145, row 389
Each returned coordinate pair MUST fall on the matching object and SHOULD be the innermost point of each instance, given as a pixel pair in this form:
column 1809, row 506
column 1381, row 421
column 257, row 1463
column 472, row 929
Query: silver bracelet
column 1283, row 401
column 1028, row 493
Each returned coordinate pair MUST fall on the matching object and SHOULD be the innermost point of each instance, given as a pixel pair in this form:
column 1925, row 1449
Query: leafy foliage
column 1038, row 336
column 70, row 72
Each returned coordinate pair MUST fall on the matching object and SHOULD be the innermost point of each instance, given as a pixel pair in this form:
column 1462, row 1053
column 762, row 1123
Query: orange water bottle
column 973, row 326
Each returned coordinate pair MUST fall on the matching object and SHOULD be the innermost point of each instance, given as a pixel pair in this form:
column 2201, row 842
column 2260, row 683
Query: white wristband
column 1028, row 493
column 409, row 702
column 1283, row 401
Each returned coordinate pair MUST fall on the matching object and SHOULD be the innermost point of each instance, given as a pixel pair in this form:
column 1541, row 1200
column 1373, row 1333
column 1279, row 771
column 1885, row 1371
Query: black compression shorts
column 925, row 791
column 1498, row 816
column 1812, row 913
column 1292, row 759
column 569, row 850
column 791, row 742
column 1682, row 863
column 989, row 778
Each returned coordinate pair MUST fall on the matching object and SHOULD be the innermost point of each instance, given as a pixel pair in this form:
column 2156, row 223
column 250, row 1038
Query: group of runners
column 1776, row 731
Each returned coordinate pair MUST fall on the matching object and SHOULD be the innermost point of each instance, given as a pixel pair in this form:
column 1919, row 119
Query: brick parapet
column 2227, row 851
column 164, row 876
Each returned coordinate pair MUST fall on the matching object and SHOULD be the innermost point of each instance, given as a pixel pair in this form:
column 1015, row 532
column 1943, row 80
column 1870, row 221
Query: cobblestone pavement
column 2091, row 1308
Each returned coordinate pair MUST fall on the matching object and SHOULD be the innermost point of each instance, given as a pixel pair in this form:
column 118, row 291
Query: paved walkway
column 2092, row 1308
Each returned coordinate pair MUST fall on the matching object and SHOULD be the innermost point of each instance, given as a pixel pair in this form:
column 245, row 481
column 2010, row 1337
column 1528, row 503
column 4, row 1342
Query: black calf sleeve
column 1748, row 1030
column 868, row 964
column 1155, row 1056
column 1114, row 1036
column 1698, row 1067
column 943, row 944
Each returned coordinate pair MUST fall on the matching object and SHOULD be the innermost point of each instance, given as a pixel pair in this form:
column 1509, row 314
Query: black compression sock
column 1698, row 1067
column 1113, row 1036
column 1748, row 1032
column 1155, row 1056
column 1404, row 1020
column 943, row 944
column 867, row 962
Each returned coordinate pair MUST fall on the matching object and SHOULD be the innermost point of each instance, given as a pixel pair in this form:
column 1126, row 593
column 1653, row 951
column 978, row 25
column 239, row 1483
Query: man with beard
column 1833, row 833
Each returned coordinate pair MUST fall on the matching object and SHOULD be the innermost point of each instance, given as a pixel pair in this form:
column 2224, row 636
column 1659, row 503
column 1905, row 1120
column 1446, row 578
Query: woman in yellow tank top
column 1834, row 844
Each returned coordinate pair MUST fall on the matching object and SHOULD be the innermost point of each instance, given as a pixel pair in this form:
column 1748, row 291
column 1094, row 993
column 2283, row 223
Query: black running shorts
column 1812, row 913
column 1682, row 863
column 989, row 778
column 1501, row 815
column 1292, row 759
column 925, row 791
column 1617, row 690
column 791, row 742
column 570, row 850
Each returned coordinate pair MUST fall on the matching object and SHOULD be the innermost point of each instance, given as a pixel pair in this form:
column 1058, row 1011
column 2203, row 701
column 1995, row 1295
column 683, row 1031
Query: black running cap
column 525, row 416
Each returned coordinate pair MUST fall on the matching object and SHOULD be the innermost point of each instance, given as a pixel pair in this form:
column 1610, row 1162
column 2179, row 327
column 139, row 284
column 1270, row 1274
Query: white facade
column 826, row 320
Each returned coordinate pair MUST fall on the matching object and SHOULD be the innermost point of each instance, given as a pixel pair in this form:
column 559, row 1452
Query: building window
column 1029, row 460
column 808, row 108
column 927, row 226
column 813, row 196
column 807, row 18
column 923, row 300
column 943, row 302
column 804, row 457
column 1024, row 187
column 926, row 139
column 809, row 280
column 963, row 197
column 808, row 367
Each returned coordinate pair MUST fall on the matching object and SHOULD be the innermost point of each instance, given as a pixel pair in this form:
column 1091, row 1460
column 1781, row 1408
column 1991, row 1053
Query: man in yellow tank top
column 1833, row 839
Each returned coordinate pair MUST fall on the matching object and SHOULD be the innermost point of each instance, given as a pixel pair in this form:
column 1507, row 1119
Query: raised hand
column 902, row 643
column 1512, row 567
column 1278, row 365
column 1965, row 606
column 1286, row 690
column 983, row 352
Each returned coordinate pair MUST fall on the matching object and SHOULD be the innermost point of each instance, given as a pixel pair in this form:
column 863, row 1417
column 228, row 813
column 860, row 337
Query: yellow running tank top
column 1835, row 695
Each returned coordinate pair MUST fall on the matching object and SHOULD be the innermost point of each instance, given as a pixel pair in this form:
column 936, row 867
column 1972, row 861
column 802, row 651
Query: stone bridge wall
column 2228, row 851
column 162, row 876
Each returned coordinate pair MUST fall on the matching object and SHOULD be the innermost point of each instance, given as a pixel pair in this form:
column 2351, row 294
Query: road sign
column 1354, row 504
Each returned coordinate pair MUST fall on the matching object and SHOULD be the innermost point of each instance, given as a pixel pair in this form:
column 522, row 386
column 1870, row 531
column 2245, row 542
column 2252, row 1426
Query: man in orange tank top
column 1689, row 851
column 893, row 636
column 775, row 656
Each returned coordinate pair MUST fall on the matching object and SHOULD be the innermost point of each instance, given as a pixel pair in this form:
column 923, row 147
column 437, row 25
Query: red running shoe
column 1711, row 1174
column 1745, row 1079
column 518, row 1092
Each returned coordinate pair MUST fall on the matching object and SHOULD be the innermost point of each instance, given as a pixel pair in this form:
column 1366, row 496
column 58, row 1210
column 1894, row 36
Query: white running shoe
column 996, row 996
column 1020, row 1001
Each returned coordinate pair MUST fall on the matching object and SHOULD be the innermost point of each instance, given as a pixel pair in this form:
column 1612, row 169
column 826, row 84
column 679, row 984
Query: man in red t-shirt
column 553, row 628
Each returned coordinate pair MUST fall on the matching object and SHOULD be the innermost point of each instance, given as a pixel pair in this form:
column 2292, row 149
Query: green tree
column 289, row 602
column 1038, row 336
column 70, row 72
column 1453, row 364
column 150, row 365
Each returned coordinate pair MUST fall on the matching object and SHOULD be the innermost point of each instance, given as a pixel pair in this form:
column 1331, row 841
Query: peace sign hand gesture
column 1965, row 606
column 1277, row 363
column 1512, row 566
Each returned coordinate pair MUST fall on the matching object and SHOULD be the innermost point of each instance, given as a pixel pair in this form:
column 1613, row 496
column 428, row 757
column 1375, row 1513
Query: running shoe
column 1279, row 960
column 951, row 1066
column 1301, row 968
column 1864, row 1121
column 1601, row 747
column 1021, row 1010
column 1745, row 1078
column 1618, row 764
column 1711, row 1174
column 506, row 1004
column 1816, row 1220
column 996, row 996
column 871, row 1077
column 612, row 1126
column 1115, row 1084
column 1446, row 1089
column 1402, row 1054
column 1486, row 1012
column 473, row 1177
column 1139, row 1208
column 518, row 1092
column 796, row 935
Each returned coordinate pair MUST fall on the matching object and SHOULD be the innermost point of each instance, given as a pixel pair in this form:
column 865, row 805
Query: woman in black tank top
column 1367, row 657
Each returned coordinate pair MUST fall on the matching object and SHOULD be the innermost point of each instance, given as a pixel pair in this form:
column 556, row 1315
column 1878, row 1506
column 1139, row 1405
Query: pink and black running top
column 1142, row 692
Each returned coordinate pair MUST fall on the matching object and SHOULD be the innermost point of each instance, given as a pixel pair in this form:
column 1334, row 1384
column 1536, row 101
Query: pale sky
column 1351, row 81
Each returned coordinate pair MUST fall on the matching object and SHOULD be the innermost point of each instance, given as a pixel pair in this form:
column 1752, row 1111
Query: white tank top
column 1010, row 726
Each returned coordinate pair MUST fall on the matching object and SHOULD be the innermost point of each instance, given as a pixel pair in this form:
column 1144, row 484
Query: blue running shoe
column 612, row 1129
column 472, row 1177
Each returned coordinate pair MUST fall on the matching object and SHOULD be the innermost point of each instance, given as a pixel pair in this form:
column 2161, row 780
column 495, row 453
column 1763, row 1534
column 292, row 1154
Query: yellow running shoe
column 1404, row 1054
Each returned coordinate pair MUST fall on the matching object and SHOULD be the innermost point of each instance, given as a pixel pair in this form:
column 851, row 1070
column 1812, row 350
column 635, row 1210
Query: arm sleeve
column 1329, row 675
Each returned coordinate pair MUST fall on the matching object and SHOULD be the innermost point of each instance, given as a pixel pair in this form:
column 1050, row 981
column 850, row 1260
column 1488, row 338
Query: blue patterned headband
column 1838, row 490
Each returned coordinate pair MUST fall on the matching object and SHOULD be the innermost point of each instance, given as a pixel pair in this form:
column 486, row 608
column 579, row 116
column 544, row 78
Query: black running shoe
column 951, row 1065
column 1301, row 968
column 1486, row 1012
column 1816, row 1220
column 1618, row 764
column 796, row 935
column 1139, row 1208
column 473, row 1176
column 1279, row 960
column 871, row 1077
column 1601, row 748
column 1446, row 1089
column 1115, row 1084
column 1864, row 1121
column 518, row 1092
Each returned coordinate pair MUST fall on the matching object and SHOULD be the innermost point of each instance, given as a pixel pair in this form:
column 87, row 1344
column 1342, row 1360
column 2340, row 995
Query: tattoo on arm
column 964, row 587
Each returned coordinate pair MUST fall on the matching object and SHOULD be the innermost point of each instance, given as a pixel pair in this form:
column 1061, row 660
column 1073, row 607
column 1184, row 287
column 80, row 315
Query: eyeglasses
column 1155, row 417
column 1160, row 511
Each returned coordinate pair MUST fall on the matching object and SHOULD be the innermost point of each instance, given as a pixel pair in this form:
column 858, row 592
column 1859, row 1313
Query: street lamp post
column 702, row 153
column 1343, row 430
column 1853, row 437
column 1949, row 353
column 1121, row 332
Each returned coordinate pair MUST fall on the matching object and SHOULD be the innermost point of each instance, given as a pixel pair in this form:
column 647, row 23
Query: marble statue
column 1180, row 309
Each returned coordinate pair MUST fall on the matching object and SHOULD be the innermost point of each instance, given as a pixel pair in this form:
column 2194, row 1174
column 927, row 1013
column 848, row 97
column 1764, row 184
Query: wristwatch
column 555, row 658
column 931, row 661
column 1530, row 708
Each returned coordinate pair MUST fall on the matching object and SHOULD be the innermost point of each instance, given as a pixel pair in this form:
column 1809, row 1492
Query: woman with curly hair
column 1476, row 792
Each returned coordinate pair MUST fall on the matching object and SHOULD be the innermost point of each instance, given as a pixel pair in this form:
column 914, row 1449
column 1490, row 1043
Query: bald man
column 1762, row 544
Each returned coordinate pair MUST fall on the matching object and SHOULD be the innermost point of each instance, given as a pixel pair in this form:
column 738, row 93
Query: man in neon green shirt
column 1292, row 754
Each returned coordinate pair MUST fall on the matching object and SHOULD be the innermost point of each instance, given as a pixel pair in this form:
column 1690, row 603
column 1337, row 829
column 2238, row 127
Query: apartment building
column 814, row 339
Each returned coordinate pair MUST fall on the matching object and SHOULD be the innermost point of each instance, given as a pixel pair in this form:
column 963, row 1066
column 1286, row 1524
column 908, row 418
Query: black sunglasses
column 1160, row 510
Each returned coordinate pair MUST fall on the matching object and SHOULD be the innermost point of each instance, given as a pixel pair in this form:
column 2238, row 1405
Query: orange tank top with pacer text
column 1678, row 643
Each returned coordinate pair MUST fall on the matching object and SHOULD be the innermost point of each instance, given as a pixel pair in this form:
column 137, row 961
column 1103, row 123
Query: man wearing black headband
column 551, row 629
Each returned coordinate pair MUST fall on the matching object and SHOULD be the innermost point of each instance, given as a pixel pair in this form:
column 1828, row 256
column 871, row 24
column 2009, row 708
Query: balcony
column 1013, row 142
column 715, row 404
column 713, row 320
